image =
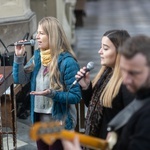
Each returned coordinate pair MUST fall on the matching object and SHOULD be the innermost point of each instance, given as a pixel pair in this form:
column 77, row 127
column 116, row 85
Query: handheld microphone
column 31, row 42
column 89, row 67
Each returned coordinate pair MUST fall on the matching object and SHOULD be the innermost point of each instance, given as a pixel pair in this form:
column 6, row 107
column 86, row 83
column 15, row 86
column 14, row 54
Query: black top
column 136, row 133
column 123, row 98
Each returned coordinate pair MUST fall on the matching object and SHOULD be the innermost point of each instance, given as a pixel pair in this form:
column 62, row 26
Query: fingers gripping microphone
column 31, row 42
column 89, row 67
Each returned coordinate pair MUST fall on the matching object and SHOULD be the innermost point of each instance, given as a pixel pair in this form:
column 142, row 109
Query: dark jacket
column 123, row 98
column 136, row 133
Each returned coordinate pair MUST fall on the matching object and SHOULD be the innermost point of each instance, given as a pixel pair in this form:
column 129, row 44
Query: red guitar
column 51, row 131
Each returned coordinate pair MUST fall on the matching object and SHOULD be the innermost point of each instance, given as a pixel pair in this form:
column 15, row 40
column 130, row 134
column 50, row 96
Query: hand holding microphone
column 83, row 77
column 19, row 49
column 20, row 46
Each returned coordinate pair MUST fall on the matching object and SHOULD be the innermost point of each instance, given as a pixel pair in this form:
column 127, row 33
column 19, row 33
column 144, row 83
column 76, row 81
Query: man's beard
column 146, row 84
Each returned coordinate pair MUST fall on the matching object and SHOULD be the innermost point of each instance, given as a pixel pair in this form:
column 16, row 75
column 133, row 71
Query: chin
column 39, row 47
column 103, row 64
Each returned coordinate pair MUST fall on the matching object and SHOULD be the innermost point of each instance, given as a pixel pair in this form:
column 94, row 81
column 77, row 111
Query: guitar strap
column 122, row 118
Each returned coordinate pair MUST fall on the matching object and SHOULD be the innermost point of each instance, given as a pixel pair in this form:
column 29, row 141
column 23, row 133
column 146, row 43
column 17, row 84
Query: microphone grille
column 90, row 65
column 32, row 42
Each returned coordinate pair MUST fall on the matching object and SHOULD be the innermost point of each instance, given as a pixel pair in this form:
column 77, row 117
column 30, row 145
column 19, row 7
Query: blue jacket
column 68, row 68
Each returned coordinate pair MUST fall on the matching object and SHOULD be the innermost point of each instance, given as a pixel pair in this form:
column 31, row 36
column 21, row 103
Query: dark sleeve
column 126, row 95
column 136, row 134
column 141, row 138
column 86, row 95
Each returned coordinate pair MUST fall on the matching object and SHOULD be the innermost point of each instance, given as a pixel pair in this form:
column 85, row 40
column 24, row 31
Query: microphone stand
column 6, row 57
column 5, row 54
column 3, row 57
column 5, row 104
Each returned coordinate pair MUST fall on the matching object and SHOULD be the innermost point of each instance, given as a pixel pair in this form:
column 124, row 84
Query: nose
column 126, row 78
column 37, row 36
column 100, row 51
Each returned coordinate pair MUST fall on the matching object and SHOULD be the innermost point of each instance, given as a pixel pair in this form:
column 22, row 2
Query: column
column 58, row 9
column 16, row 18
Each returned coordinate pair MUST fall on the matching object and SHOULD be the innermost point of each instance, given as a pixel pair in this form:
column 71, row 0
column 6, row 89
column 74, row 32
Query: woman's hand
column 74, row 145
column 43, row 93
column 85, row 81
column 19, row 49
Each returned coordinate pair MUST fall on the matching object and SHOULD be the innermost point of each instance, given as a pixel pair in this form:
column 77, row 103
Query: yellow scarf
column 45, row 57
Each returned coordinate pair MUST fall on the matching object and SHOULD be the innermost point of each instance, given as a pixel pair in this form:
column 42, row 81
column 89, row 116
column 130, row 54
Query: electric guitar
column 51, row 131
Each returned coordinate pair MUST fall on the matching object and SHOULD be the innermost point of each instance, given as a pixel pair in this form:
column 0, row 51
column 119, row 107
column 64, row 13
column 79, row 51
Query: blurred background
column 84, row 22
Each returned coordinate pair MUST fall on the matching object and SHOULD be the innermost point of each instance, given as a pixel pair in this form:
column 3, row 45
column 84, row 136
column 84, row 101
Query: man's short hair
column 135, row 45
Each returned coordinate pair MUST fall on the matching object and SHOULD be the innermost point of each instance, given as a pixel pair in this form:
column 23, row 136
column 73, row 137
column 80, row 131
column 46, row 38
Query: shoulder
column 65, row 56
column 141, row 119
column 66, row 60
column 144, row 111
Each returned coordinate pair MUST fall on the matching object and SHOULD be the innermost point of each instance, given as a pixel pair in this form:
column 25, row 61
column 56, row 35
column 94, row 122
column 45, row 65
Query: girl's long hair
column 58, row 42
column 117, row 37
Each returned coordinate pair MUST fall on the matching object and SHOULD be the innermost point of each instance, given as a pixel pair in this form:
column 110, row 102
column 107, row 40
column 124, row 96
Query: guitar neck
column 49, row 132
column 85, row 140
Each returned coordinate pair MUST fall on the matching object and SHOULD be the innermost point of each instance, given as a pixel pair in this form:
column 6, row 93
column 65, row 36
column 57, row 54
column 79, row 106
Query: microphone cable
column 89, row 67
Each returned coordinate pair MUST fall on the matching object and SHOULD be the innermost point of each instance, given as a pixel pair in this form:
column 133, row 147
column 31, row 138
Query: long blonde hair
column 117, row 37
column 58, row 42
